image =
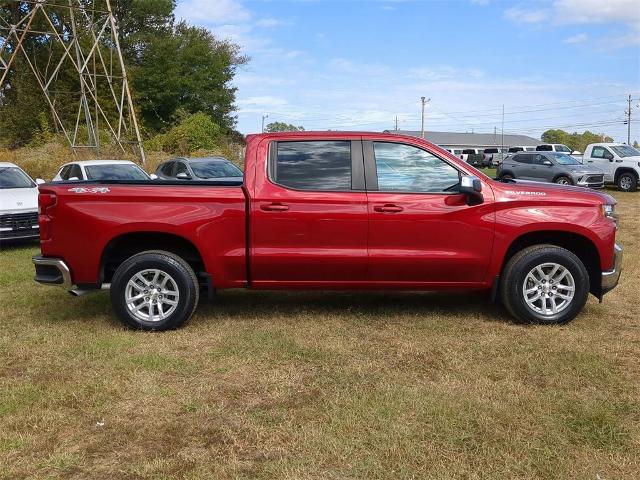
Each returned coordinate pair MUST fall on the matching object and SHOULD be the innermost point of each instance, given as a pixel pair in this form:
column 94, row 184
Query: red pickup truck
column 330, row 210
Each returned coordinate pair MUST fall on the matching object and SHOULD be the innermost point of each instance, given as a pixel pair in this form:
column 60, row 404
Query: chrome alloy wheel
column 625, row 183
column 151, row 295
column 548, row 289
column 563, row 181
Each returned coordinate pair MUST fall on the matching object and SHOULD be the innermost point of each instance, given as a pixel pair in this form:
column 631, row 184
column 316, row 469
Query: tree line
column 176, row 70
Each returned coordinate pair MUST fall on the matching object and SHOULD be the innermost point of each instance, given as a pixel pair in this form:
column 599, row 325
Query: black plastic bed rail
column 181, row 183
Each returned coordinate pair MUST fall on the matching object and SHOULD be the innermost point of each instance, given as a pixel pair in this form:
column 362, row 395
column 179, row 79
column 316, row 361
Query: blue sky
column 356, row 65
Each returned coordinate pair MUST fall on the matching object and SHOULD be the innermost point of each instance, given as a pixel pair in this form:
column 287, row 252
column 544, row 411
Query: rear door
column 421, row 230
column 309, row 215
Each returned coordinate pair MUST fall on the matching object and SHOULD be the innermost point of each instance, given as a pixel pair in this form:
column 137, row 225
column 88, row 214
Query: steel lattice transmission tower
column 82, row 38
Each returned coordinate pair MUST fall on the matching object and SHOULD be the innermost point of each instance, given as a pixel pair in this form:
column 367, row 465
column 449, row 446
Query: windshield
column 626, row 151
column 215, row 169
column 115, row 172
column 13, row 177
column 564, row 159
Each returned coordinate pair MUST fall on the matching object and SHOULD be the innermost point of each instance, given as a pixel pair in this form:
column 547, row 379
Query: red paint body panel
column 325, row 239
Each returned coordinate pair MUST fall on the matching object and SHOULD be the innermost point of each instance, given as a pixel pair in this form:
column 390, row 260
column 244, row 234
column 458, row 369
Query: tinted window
column 544, row 148
column 166, row 168
column 491, row 150
column 515, row 149
column 12, row 177
column 522, row 158
column 562, row 148
column 115, row 172
column 321, row 165
column 215, row 169
column 180, row 167
column 404, row 168
column 64, row 173
column 75, row 171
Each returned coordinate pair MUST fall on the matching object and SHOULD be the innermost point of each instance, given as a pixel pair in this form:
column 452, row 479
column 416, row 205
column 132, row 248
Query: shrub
column 194, row 132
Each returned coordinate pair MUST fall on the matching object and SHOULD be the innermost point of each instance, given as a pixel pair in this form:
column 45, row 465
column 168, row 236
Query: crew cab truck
column 620, row 163
column 330, row 210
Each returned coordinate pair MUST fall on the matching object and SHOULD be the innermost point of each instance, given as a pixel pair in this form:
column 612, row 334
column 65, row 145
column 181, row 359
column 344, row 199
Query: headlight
column 609, row 211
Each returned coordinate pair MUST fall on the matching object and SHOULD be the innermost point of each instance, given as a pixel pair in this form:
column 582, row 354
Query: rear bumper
column 52, row 271
column 610, row 277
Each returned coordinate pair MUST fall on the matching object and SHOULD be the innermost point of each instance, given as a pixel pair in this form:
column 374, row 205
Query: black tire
column 515, row 273
column 563, row 180
column 507, row 177
column 182, row 278
column 627, row 182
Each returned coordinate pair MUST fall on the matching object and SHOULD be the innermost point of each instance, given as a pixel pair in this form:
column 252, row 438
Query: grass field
column 319, row 386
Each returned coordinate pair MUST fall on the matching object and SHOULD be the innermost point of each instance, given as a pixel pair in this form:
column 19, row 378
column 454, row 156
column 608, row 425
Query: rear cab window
column 317, row 165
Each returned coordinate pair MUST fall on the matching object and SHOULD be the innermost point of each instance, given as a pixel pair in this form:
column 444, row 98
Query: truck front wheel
column 544, row 284
column 154, row 290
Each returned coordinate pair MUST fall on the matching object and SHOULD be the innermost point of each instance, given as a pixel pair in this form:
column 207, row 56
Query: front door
column 602, row 158
column 309, row 215
column 421, row 230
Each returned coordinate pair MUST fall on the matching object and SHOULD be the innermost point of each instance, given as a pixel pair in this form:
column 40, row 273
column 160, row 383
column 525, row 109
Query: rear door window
column 312, row 165
column 167, row 168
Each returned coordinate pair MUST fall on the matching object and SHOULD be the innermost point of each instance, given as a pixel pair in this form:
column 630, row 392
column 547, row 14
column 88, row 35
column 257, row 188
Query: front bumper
column 590, row 180
column 610, row 277
column 52, row 271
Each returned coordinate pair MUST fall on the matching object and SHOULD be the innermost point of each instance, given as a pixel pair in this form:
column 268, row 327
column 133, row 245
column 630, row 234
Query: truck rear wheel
column 154, row 290
column 544, row 284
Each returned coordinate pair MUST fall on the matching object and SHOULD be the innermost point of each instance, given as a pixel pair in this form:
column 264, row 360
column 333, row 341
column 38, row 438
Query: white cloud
column 625, row 13
column 598, row 11
column 270, row 22
column 578, row 38
column 212, row 12
column 480, row 2
column 524, row 15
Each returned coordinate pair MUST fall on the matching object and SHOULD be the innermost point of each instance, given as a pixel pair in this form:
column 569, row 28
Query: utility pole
column 396, row 123
column 424, row 101
column 502, row 132
column 628, row 112
column 264, row 115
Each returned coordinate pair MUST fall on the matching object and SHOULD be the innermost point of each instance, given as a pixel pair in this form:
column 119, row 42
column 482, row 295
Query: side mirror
column 548, row 163
column 472, row 187
column 153, row 176
column 40, row 181
column 183, row 176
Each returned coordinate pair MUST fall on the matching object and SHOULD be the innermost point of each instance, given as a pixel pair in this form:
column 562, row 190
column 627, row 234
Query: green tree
column 282, row 127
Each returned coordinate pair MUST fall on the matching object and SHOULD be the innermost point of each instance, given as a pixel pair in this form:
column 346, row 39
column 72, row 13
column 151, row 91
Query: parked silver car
column 553, row 167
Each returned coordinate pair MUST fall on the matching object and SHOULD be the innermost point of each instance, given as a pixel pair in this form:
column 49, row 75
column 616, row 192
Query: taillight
column 46, row 201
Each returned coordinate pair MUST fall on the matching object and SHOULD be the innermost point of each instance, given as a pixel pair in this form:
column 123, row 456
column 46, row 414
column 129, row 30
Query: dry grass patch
column 277, row 385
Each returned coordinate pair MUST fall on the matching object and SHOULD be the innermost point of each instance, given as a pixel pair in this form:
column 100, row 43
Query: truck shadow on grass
column 361, row 306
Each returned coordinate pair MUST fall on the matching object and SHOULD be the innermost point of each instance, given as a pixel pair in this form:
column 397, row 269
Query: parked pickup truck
column 620, row 163
column 330, row 210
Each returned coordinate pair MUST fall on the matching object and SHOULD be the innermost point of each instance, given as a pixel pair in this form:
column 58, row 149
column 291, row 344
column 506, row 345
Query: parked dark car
column 199, row 169
column 550, row 167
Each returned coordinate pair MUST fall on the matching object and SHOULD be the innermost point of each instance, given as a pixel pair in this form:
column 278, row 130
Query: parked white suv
column 620, row 163
column 18, row 203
